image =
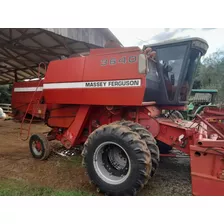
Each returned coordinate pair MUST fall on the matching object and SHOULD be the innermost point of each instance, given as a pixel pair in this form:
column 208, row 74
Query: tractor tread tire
column 44, row 143
column 136, row 149
column 149, row 140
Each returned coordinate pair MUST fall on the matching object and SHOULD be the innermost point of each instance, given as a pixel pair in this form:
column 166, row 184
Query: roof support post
column 16, row 76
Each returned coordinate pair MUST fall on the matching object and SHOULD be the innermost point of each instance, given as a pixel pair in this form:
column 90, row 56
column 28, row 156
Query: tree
column 210, row 74
column 197, row 84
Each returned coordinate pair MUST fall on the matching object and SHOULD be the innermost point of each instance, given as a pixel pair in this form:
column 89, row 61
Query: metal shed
column 21, row 50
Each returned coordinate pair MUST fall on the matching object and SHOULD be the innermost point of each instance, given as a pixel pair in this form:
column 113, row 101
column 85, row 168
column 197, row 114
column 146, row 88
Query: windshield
column 171, row 58
column 192, row 62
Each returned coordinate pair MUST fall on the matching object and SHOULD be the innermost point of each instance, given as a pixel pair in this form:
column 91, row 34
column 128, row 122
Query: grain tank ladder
column 23, row 129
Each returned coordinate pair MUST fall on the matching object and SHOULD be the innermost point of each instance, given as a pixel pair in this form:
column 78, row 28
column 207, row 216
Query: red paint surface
column 207, row 171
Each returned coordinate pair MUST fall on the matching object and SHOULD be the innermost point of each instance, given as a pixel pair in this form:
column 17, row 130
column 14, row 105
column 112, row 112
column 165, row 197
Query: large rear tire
column 149, row 140
column 117, row 160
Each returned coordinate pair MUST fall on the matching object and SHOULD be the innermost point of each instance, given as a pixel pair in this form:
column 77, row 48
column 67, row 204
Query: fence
column 6, row 108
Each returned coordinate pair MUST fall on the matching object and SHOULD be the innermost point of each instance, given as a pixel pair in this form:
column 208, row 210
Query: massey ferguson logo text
column 118, row 83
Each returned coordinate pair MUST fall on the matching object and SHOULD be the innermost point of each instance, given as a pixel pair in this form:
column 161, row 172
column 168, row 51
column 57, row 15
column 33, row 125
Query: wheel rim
column 37, row 148
column 111, row 163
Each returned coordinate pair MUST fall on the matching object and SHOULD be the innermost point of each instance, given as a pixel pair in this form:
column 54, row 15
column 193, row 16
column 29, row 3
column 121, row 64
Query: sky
column 142, row 36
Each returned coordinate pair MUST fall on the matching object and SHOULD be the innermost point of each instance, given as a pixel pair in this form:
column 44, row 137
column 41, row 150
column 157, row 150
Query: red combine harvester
column 111, row 102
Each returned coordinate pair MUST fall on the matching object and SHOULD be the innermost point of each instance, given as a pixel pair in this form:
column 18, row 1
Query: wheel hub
column 111, row 163
column 117, row 158
column 37, row 148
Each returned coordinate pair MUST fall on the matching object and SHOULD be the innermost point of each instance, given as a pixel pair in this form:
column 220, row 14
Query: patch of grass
column 73, row 162
column 10, row 187
column 76, row 160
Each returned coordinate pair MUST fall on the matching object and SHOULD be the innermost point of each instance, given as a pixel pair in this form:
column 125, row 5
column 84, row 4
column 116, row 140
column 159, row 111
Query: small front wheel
column 39, row 146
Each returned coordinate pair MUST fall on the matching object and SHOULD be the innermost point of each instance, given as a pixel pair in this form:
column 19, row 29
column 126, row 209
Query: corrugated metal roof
column 21, row 50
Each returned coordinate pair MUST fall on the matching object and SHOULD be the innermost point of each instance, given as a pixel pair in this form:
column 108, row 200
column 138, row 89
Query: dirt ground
column 16, row 163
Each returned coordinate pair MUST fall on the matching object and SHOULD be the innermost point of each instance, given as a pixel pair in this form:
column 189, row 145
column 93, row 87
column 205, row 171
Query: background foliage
column 210, row 74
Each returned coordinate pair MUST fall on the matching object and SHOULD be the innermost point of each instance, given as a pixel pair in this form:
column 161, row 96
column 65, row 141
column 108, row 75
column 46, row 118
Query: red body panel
column 64, row 71
column 22, row 94
column 61, row 115
column 172, row 134
column 68, row 70
column 96, row 67
column 207, row 171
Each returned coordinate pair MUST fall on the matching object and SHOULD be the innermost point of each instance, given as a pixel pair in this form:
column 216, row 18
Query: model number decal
column 122, row 60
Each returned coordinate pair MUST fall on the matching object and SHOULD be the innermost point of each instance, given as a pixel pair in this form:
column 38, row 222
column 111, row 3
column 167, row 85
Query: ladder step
column 36, row 102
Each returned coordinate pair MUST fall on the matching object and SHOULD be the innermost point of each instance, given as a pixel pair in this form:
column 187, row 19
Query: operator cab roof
column 196, row 42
